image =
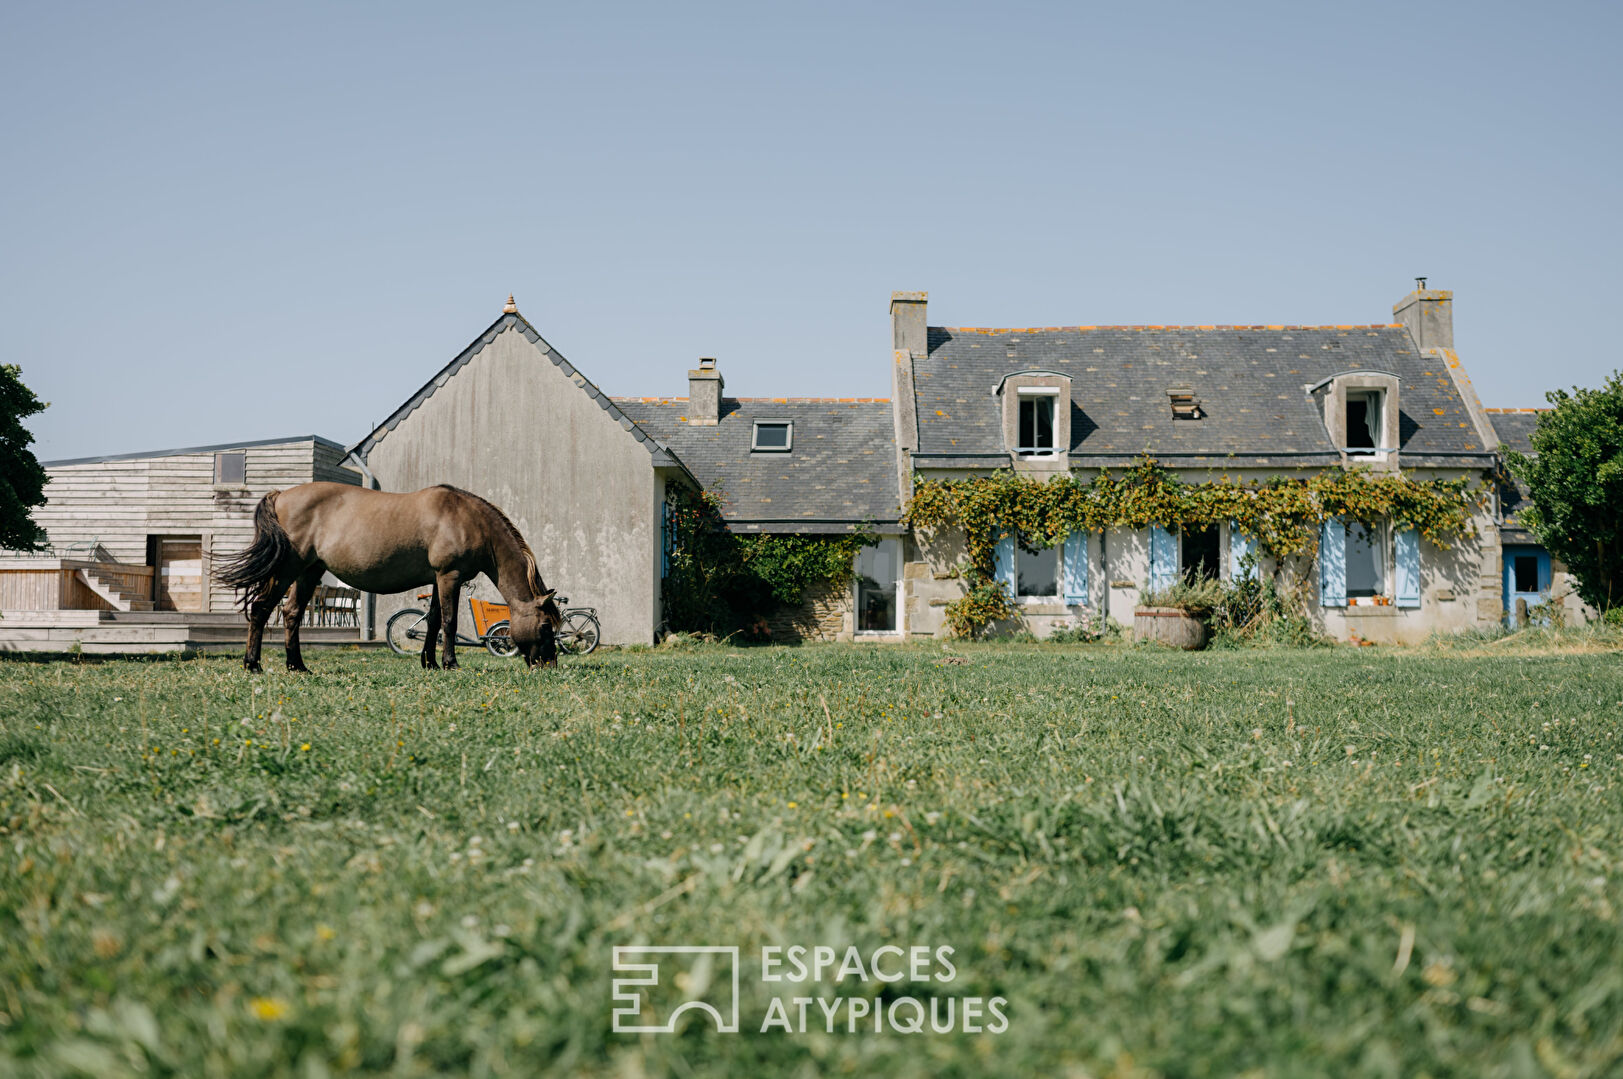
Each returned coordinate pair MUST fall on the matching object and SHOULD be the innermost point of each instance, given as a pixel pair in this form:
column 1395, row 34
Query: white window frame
column 856, row 594
column 789, row 436
column 1377, row 396
column 1034, row 394
column 1386, row 556
column 1058, row 595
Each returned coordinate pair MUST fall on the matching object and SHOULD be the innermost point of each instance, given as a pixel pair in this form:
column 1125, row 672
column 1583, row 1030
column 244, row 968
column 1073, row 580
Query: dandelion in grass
column 268, row 1009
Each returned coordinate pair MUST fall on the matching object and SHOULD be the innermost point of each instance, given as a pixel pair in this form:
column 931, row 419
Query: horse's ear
column 543, row 597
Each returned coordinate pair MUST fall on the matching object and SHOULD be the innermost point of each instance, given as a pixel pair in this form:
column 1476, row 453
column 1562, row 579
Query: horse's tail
column 254, row 571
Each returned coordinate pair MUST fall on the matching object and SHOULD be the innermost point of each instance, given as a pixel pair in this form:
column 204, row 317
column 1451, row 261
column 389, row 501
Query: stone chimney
column 704, row 393
column 907, row 327
column 1429, row 315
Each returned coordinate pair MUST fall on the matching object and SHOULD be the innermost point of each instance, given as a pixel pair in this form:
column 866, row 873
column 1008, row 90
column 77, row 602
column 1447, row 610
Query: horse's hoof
column 452, row 667
column 253, row 668
column 299, row 669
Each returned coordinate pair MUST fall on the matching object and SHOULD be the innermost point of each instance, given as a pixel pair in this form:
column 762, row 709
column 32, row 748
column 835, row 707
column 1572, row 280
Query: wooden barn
column 140, row 531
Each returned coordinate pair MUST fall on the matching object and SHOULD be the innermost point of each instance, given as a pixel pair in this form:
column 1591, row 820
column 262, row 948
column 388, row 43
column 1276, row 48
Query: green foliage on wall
column 1282, row 513
column 1576, row 483
column 721, row 582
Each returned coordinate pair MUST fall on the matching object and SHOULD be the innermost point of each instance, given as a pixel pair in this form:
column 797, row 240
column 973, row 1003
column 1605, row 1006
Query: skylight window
column 773, row 436
column 1185, row 405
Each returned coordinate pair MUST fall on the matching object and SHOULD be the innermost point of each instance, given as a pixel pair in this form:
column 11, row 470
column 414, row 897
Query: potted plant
column 1176, row 615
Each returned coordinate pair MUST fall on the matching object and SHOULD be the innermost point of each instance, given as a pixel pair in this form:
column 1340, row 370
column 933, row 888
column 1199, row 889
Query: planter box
column 1170, row 626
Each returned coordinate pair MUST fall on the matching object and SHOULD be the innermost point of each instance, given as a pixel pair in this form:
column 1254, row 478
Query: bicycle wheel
column 405, row 631
column 499, row 641
column 579, row 634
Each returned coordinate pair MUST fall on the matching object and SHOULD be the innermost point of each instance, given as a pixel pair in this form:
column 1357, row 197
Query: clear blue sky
column 220, row 221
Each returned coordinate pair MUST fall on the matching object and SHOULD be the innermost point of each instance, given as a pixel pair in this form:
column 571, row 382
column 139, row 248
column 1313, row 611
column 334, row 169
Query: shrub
column 987, row 601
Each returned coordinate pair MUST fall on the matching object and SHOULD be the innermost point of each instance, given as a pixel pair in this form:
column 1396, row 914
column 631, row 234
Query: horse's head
column 533, row 625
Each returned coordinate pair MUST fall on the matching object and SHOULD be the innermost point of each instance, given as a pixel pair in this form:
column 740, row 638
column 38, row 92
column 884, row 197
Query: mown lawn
column 1274, row 863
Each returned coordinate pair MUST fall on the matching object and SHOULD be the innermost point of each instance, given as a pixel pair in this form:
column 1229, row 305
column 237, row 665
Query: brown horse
column 378, row 541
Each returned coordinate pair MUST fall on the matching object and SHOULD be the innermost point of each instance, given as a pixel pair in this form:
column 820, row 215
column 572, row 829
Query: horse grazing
column 379, row 541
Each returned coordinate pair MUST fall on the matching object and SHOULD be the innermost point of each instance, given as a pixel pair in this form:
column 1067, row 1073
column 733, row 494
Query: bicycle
column 406, row 629
column 580, row 631
column 578, row 635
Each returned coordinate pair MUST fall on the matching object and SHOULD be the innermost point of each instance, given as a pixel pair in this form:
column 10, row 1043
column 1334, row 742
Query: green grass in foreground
column 1333, row 862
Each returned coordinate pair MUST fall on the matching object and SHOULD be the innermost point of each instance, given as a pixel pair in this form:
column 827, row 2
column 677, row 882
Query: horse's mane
column 530, row 571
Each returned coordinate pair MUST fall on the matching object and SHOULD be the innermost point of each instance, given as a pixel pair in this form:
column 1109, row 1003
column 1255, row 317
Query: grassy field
column 1268, row 863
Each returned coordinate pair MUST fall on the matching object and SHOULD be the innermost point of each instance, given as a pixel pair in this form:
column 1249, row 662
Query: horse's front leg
column 431, row 636
column 448, row 590
column 293, row 614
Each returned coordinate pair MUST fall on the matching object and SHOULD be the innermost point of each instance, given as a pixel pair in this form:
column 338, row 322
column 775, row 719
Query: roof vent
column 1185, row 405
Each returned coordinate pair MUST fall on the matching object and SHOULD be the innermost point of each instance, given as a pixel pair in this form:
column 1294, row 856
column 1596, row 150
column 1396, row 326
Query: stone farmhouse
column 586, row 477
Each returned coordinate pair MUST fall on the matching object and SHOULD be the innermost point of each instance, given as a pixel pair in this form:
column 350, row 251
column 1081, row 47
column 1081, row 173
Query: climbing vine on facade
column 719, row 581
column 1282, row 514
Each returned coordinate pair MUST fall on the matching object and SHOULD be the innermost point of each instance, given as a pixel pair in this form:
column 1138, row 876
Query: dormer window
column 1037, row 419
column 1360, row 410
column 1036, row 411
column 773, row 436
column 1363, row 421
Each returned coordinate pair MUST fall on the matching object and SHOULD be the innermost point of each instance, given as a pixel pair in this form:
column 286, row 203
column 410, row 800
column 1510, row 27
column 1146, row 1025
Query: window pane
column 1526, row 573
column 1200, row 552
column 1028, row 423
column 771, row 436
column 1037, row 571
column 1365, row 561
column 230, row 467
column 878, row 567
column 1045, row 423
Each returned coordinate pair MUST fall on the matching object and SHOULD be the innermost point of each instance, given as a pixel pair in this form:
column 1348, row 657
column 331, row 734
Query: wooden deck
column 147, row 632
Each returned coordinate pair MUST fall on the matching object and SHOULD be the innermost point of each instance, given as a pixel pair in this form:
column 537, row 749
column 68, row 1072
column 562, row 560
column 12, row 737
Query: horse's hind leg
column 448, row 589
column 431, row 636
column 293, row 614
column 259, row 612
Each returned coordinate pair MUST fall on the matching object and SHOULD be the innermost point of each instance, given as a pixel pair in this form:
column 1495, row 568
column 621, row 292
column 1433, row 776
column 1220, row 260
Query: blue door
column 1527, row 576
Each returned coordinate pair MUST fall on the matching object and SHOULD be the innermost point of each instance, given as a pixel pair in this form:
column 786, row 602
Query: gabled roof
column 514, row 322
column 839, row 474
column 1252, row 382
column 216, row 448
column 1515, row 427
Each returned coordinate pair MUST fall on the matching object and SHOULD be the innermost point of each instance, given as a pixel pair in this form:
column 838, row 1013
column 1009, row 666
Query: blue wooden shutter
column 1406, row 587
column 1333, row 564
column 1076, row 568
column 1003, row 561
column 1241, row 545
column 1163, row 558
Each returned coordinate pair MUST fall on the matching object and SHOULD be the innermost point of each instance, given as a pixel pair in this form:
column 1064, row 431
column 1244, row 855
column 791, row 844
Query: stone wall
column 826, row 615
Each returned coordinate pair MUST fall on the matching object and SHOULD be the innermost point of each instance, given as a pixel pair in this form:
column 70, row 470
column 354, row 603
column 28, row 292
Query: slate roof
column 1251, row 380
column 1515, row 427
column 840, row 472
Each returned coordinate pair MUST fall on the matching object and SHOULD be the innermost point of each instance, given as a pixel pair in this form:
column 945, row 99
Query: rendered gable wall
column 511, row 426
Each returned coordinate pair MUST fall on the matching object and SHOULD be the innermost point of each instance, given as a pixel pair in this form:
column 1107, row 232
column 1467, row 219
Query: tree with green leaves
column 22, row 479
column 1575, row 478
